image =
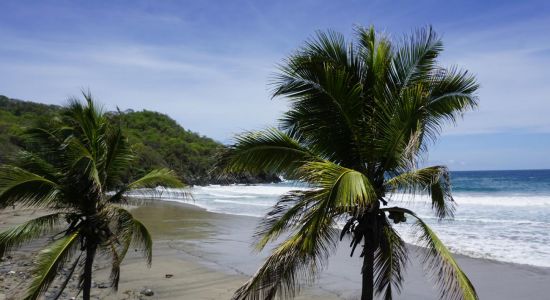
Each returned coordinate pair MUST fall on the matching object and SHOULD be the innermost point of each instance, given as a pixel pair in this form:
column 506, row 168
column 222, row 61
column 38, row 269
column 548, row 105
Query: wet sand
column 208, row 256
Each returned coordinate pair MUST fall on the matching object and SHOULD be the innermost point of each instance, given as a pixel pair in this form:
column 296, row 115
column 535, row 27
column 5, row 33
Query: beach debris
column 102, row 286
column 147, row 292
column 11, row 273
column 169, row 275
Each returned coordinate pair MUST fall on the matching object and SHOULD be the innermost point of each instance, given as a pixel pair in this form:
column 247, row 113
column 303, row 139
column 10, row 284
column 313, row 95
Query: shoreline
column 342, row 277
column 191, row 206
column 208, row 256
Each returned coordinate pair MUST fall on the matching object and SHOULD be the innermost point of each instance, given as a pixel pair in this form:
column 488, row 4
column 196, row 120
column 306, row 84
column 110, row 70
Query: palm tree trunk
column 87, row 283
column 367, row 290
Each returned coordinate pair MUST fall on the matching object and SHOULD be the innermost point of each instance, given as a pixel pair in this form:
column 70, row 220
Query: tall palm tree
column 74, row 167
column 360, row 120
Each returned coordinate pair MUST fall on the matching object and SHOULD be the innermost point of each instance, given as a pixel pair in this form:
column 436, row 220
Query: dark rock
column 244, row 179
column 147, row 292
column 169, row 275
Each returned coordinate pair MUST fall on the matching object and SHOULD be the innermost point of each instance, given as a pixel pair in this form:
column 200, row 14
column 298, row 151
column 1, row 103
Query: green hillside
column 158, row 141
column 14, row 116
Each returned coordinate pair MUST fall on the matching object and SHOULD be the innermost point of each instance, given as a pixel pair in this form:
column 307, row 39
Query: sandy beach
column 204, row 255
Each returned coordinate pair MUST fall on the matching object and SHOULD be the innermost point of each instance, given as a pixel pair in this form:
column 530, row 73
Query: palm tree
column 360, row 119
column 74, row 167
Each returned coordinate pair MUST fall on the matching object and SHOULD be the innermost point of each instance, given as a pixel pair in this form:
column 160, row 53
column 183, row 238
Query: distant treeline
column 158, row 141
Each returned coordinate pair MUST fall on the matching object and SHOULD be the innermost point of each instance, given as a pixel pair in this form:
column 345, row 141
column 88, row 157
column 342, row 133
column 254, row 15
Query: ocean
column 500, row 215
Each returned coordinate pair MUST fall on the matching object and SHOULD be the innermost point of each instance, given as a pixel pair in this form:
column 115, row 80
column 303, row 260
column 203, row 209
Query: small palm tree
column 74, row 167
column 361, row 117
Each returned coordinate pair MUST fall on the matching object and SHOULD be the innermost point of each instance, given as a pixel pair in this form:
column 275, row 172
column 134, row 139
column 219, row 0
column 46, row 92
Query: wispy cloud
column 208, row 66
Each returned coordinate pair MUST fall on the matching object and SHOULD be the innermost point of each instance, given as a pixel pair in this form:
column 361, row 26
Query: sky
column 208, row 64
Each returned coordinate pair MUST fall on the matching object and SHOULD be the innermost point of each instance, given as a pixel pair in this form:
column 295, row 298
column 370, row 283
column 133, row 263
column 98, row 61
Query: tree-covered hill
column 14, row 116
column 158, row 141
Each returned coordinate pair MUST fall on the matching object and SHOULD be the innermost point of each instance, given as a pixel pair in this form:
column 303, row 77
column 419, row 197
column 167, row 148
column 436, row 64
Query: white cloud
column 512, row 65
column 217, row 95
column 220, row 92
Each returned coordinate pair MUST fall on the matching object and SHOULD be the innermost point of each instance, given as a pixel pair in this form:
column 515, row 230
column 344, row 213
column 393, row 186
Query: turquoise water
column 502, row 215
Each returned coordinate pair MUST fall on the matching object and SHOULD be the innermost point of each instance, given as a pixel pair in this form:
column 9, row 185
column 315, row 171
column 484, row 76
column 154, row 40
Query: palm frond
column 322, row 82
column 295, row 261
column 118, row 157
column 44, row 140
column 286, row 214
column 129, row 230
column 28, row 189
column 81, row 160
column 118, row 254
column 34, row 163
column 452, row 281
column 142, row 238
column 155, row 178
column 50, row 262
column 389, row 262
column 88, row 123
column 434, row 181
column 271, row 151
column 375, row 54
column 68, row 277
column 146, row 187
column 346, row 187
column 452, row 92
column 20, row 234
column 415, row 58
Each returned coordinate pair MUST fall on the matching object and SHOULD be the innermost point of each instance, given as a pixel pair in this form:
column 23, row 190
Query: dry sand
column 208, row 256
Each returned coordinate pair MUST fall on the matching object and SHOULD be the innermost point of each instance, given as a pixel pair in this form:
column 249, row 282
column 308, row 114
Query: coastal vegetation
column 157, row 140
column 361, row 118
column 73, row 165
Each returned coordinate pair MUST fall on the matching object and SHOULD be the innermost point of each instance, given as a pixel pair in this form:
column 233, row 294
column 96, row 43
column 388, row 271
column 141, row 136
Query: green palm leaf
column 286, row 215
column 164, row 177
column 295, row 261
column 25, row 188
column 130, row 231
column 434, row 181
column 20, row 234
column 117, row 159
column 270, row 151
column 452, row 281
column 389, row 262
column 416, row 58
column 50, row 262
column 452, row 93
column 345, row 187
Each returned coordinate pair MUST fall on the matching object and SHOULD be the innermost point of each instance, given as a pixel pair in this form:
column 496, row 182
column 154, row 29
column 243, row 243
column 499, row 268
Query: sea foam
column 506, row 227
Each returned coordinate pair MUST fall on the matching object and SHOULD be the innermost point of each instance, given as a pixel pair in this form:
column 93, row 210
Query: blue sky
column 207, row 64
